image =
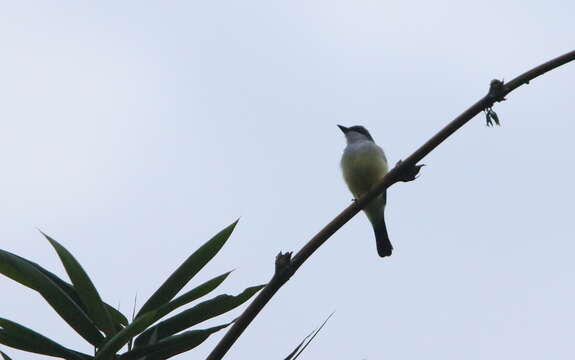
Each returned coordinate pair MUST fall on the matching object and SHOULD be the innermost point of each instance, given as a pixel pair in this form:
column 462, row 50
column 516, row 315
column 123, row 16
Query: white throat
column 354, row 137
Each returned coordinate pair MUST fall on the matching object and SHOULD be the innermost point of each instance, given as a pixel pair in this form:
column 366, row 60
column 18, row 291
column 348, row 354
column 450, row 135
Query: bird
column 363, row 165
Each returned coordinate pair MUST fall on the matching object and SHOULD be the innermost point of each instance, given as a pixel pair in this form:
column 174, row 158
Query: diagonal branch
column 403, row 171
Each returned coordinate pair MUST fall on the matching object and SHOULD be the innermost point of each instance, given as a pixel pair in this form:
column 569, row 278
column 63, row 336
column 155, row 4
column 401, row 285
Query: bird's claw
column 410, row 173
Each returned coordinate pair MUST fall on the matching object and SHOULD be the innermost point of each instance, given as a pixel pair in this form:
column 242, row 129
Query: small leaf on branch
column 491, row 117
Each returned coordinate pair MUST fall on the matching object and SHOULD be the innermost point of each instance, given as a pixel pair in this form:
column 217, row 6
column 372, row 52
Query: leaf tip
column 232, row 226
column 45, row 235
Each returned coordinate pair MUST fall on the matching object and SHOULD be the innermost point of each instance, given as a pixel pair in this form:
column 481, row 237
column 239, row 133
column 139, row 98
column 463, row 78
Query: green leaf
column 86, row 290
column 185, row 298
column 20, row 337
column 193, row 264
column 297, row 351
column 192, row 295
column 28, row 274
column 116, row 316
column 188, row 297
column 70, row 291
column 201, row 312
column 488, row 118
column 108, row 351
column 495, row 117
column 10, row 267
column 4, row 356
column 172, row 345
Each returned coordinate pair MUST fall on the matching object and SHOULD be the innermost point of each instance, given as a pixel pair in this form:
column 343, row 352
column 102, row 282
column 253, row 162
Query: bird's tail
column 384, row 247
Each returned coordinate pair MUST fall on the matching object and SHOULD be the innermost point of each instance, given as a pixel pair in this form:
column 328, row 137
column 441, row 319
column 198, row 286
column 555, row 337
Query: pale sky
column 132, row 131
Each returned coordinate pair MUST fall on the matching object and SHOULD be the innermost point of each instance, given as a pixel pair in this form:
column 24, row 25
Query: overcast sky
column 132, row 131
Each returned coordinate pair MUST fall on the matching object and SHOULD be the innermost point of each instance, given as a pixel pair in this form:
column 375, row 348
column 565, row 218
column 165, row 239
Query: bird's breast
column 363, row 165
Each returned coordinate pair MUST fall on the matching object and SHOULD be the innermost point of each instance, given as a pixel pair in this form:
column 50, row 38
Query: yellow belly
column 363, row 167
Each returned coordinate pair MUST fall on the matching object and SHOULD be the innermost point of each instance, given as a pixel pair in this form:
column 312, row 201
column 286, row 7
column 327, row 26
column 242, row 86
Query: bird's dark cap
column 357, row 128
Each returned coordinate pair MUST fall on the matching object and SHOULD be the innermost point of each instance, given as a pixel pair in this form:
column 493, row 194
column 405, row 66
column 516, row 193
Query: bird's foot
column 410, row 173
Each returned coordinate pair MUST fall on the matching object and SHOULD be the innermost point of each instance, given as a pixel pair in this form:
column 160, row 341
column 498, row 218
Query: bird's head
column 356, row 133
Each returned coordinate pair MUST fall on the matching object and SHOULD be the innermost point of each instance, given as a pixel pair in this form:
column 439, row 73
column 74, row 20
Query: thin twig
column 403, row 171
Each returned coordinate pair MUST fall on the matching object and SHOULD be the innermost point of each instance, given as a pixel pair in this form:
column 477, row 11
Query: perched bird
column 363, row 164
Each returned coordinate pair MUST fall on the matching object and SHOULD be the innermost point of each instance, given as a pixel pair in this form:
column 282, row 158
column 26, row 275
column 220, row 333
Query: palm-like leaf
column 119, row 319
column 192, row 295
column 172, row 345
column 193, row 264
column 201, row 312
column 23, row 338
column 306, row 341
column 108, row 351
column 81, row 306
column 26, row 273
column 86, row 290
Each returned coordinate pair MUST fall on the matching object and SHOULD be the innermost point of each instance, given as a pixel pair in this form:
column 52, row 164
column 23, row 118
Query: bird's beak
column 343, row 128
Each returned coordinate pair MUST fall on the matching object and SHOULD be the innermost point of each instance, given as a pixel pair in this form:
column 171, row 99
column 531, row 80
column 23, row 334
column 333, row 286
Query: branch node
column 496, row 91
column 408, row 174
column 284, row 266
